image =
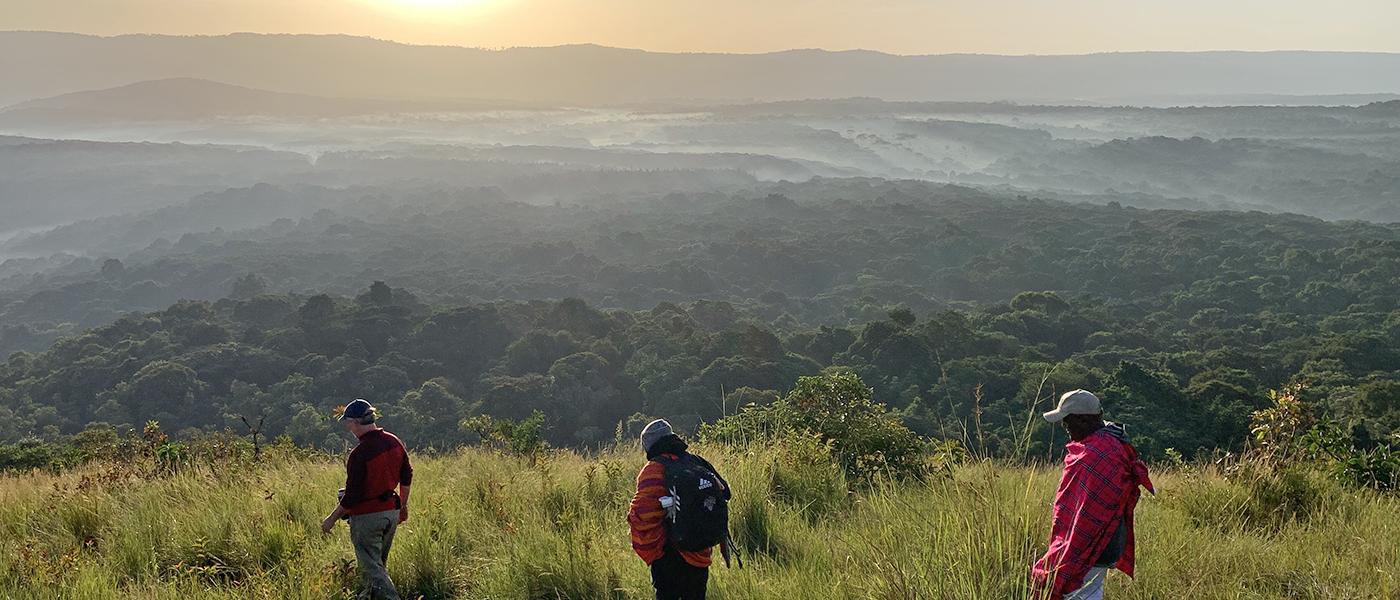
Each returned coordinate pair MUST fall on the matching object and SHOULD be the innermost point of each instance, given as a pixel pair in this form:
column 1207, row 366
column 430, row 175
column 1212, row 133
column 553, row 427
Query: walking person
column 375, row 498
column 679, row 514
column 1092, row 529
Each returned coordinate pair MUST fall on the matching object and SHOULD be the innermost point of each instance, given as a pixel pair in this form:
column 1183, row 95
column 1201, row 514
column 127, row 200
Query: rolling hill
column 181, row 98
column 345, row 66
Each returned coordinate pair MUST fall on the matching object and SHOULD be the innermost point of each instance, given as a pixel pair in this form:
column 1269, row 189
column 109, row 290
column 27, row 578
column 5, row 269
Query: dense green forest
column 1183, row 320
column 824, row 252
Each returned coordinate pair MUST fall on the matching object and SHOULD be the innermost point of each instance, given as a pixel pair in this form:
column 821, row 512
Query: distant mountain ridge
column 356, row 67
column 175, row 98
column 187, row 98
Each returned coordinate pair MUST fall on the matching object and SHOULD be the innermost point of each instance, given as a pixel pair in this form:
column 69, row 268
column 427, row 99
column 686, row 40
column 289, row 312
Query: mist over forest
column 207, row 228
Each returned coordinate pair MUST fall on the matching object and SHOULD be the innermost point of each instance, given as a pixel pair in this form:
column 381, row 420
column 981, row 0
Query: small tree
column 1278, row 428
column 522, row 438
column 1287, row 434
column 865, row 438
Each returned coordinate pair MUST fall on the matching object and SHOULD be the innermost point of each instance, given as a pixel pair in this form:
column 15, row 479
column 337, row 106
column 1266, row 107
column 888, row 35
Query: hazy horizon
column 902, row 27
column 466, row 46
column 364, row 67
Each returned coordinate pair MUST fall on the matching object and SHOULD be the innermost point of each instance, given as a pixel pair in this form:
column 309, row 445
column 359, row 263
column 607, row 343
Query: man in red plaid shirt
column 1092, row 529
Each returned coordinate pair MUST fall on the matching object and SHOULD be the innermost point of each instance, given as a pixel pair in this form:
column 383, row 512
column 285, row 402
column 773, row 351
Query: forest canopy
column 1183, row 320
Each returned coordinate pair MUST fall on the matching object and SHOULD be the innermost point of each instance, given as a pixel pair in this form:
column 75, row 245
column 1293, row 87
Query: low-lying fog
column 1338, row 162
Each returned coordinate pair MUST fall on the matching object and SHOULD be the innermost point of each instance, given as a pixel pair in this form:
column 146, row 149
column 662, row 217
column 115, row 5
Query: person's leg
column 697, row 579
column 1093, row 585
column 666, row 578
column 390, row 591
column 370, row 536
column 389, row 532
column 368, row 552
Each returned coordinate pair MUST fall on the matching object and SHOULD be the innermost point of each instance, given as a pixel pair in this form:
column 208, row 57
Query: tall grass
column 486, row 525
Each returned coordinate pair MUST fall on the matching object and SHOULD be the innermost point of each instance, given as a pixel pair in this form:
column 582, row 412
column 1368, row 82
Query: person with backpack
column 679, row 514
column 375, row 499
column 1092, row 522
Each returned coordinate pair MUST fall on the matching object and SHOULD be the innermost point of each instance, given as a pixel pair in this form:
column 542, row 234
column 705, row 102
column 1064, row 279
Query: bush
column 802, row 475
column 522, row 438
column 1377, row 468
column 1264, row 501
column 1282, row 477
column 1287, row 434
column 863, row 437
column 32, row 454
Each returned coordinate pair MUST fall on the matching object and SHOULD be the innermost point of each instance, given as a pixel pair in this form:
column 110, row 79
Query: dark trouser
column 372, row 535
column 675, row 579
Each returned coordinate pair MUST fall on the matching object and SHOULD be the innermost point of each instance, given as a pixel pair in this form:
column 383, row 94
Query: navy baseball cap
column 358, row 409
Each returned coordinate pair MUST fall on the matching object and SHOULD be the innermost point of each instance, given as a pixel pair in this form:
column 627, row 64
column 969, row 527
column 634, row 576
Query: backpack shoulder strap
column 711, row 468
column 667, row 471
column 700, row 460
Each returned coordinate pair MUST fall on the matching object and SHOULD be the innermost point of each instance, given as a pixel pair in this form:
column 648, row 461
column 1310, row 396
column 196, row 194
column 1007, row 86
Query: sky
column 895, row 26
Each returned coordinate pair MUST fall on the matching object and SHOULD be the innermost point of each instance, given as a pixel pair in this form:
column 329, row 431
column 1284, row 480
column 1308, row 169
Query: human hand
column 328, row 524
column 403, row 515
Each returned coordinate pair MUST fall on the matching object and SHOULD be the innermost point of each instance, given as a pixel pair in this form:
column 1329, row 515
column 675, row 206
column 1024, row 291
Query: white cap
column 1077, row 402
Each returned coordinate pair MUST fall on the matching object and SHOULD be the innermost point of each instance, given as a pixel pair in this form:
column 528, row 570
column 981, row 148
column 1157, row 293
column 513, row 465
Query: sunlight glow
column 435, row 8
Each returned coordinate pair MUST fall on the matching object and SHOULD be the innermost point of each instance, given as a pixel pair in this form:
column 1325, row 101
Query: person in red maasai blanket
column 1092, row 528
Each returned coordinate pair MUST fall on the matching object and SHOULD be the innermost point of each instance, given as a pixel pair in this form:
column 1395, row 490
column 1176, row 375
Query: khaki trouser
column 1093, row 585
column 372, row 534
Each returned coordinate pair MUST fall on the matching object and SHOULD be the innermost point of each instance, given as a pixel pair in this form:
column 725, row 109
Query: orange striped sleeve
column 646, row 515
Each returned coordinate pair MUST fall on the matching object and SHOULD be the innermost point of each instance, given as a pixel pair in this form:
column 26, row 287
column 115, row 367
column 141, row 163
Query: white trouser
column 1093, row 585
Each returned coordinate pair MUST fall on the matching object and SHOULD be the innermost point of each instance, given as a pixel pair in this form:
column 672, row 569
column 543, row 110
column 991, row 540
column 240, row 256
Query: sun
column 435, row 4
column 435, row 8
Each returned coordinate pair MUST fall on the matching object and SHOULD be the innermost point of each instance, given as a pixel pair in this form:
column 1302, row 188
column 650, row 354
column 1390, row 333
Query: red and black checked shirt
column 1098, row 490
column 376, row 467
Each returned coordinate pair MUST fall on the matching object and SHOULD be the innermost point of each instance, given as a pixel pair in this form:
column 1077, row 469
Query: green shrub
column 1377, row 467
column 33, row 454
column 523, row 438
column 865, row 438
column 1287, row 434
column 1264, row 501
column 802, row 475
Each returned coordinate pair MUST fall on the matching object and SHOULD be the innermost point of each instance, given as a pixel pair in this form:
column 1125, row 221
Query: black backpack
column 701, row 516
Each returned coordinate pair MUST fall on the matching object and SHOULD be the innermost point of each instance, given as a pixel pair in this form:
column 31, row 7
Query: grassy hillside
column 486, row 525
